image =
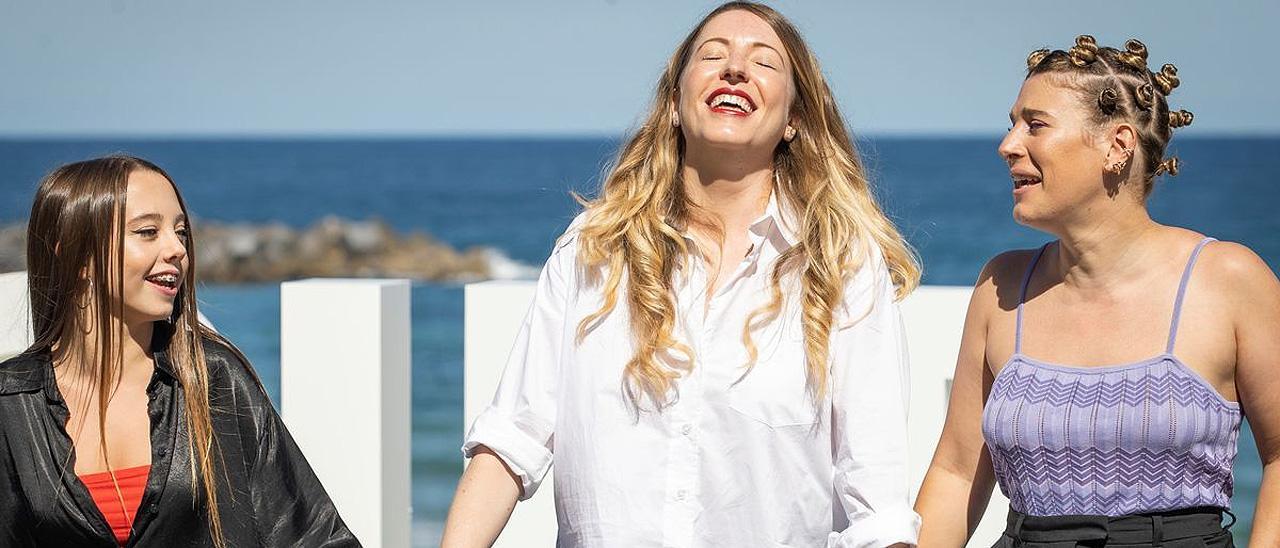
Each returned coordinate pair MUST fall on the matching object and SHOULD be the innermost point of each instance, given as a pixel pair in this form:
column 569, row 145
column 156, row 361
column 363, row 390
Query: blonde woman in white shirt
column 714, row 355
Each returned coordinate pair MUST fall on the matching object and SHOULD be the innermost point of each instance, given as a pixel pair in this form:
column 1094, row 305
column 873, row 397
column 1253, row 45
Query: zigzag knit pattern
column 1145, row 437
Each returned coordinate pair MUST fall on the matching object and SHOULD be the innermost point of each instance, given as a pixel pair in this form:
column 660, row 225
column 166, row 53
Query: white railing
column 345, row 378
column 934, row 317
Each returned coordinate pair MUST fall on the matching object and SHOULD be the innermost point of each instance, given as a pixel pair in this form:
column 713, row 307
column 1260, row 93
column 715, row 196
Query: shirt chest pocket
column 774, row 392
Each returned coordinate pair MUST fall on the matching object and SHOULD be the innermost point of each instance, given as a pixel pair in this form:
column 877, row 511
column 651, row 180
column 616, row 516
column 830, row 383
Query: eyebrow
column 156, row 217
column 725, row 41
column 1030, row 112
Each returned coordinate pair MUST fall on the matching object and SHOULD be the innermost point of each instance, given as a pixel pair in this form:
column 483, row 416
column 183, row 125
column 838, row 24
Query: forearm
column 486, row 495
column 943, row 525
column 1266, row 528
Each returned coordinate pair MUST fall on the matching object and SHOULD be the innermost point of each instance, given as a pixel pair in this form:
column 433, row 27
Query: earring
column 83, row 303
column 789, row 134
column 1118, row 167
column 675, row 119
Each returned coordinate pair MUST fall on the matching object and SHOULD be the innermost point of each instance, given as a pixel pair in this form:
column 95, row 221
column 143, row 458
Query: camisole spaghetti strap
column 1142, row 437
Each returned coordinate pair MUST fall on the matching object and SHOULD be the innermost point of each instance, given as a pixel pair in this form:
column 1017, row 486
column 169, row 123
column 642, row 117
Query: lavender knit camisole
column 1143, row 437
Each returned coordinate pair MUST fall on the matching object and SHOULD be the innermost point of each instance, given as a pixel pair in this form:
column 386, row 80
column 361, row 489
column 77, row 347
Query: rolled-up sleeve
column 869, row 379
column 519, row 425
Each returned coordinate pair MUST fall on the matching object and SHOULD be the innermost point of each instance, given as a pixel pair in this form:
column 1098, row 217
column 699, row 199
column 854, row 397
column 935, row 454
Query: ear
column 1122, row 145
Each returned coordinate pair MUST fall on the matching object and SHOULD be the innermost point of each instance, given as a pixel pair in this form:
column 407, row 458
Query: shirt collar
column 777, row 225
column 33, row 372
column 163, row 365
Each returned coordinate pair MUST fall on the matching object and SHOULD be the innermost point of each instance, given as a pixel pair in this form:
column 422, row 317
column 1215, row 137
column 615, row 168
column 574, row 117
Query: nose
column 735, row 71
column 1010, row 148
column 175, row 248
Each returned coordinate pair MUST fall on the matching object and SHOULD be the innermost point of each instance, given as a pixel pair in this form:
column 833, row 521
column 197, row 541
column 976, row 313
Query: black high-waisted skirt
column 1189, row 528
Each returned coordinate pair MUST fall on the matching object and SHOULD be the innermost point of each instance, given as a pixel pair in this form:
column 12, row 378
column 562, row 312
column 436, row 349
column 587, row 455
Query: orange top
column 132, row 482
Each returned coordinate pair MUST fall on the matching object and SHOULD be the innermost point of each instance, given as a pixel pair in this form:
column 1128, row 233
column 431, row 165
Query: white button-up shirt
column 736, row 460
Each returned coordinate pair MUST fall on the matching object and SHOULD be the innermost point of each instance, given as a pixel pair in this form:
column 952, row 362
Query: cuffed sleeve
column 869, row 406
column 519, row 426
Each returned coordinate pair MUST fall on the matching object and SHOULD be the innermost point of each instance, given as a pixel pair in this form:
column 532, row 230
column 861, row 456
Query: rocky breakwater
column 333, row 247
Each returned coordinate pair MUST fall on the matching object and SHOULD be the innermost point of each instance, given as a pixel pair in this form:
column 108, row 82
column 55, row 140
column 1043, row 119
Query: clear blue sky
column 393, row 67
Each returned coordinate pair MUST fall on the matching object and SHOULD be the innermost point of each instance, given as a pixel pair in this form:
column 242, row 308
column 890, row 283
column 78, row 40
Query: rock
column 333, row 247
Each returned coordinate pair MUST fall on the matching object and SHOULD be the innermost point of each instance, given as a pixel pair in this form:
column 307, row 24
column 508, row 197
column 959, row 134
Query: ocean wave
column 503, row 267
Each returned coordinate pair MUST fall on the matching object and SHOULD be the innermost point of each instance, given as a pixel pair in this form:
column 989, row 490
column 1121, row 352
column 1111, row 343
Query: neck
column 137, row 348
column 733, row 188
column 1104, row 251
column 134, row 353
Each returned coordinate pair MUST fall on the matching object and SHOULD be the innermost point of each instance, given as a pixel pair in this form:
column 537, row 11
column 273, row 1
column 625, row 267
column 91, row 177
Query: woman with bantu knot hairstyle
column 1102, row 378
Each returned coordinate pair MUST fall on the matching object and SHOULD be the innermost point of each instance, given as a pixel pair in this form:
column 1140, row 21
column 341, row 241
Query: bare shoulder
column 1008, row 266
column 1238, row 274
column 1000, row 281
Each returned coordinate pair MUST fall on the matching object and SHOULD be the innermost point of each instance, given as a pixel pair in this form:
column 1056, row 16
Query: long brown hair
column 75, row 280
column 630, row 228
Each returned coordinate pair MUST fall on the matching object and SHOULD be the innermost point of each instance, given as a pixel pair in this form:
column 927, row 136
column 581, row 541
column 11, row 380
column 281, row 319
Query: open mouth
column 731, row 101
column 167, row 281
column 1024, row 181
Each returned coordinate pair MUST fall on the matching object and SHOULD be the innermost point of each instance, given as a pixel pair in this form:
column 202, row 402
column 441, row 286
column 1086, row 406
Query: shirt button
column 680, row 495
column 686, row 429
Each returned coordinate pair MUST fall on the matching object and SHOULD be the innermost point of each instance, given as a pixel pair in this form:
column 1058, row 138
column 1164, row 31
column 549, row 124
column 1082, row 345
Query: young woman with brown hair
column 128, row 422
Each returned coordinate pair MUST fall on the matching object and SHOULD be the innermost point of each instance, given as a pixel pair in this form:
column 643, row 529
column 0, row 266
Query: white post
column 493, row 313
column 345, row 385
column 934, row 320
column 15, row 317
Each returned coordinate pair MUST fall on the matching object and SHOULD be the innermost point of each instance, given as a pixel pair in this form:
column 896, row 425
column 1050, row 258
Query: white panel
column 934, row 318
column 494, row 311
column 344, row 384
column 15, row 317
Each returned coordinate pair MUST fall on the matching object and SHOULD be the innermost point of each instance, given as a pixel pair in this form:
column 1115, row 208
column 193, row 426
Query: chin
column 1024, row 215
column 1040, row 220
column 157, row 314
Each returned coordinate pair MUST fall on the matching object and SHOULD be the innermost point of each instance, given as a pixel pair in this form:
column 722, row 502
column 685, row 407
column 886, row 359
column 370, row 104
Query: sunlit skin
column 735, row 51
column 728, row 161
column 1101, row 296
column 154, row 243
column 1053, row 139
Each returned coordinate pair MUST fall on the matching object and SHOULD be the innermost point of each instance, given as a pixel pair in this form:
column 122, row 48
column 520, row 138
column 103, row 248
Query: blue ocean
column 950, row 196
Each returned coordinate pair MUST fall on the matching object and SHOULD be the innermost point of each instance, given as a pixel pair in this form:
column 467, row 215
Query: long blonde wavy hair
column 631, row 227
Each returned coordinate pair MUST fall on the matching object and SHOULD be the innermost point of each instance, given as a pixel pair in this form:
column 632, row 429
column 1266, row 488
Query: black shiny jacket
column 268, row 495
